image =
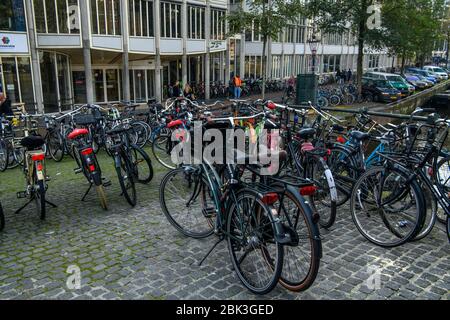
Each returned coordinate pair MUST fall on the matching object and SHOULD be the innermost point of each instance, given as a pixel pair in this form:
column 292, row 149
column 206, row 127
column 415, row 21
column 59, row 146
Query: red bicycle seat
column 308, row 146
column 175, row 123
column 77, row 132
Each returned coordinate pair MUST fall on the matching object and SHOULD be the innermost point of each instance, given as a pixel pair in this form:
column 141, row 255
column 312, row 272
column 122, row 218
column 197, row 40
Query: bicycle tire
column 161, row 152
column 385, row 226
column 4, row 156
column 2, row 218
column 442, row 178
column 200, row 206
column 140, row 156
column 263, row 215
column 124, row 171
column 54, row 151
column 306, row 229
column 39, row 197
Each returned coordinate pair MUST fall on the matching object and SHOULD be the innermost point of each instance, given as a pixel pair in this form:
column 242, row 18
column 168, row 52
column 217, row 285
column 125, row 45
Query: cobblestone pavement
column 135, row 254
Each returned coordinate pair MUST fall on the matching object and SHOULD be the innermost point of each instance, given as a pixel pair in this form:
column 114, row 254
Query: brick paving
column 135, row 253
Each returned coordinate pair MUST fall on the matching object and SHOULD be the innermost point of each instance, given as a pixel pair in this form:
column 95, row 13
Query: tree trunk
column 360, row 67
column 264, row 62
column 403, row 62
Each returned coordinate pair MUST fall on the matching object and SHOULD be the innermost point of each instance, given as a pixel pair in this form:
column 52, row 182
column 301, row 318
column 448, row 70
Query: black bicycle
column 2, row 218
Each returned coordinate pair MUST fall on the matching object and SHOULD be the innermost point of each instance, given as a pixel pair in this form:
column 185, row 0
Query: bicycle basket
column 428, row 135
column 84, row 119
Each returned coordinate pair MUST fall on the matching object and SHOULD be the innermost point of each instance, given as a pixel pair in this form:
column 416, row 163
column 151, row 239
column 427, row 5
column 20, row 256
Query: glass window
column 118, row 27
column 144, row 18
column 74, row 21
column 170, row 20
column 12, row 15
column 62, row 16
column 39, row 16
column 112, row 85
column 101, row 16
column 137, row 15
column 99, row 92
column 94, row 20
column 150, row 83
column 51, row 17
column 109, row 17
column 48, row 79
column 26, row 82
column 11, row 81
column 79, row 86
column 65, row 94
column 139, row 85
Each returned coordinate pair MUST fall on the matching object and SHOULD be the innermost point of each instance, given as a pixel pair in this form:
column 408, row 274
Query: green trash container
column 307, row 88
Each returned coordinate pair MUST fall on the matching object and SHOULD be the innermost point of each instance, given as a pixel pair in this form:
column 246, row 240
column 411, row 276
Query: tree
column 270, row 17
column 410, row 28
column 359, row 16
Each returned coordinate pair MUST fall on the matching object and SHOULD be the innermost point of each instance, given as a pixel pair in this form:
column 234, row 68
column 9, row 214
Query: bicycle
column 87, row 161
column 2, row 218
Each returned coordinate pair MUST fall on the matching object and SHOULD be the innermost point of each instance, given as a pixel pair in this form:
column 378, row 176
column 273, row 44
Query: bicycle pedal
column 47, row 179
column 77, row 170
column 21, row 195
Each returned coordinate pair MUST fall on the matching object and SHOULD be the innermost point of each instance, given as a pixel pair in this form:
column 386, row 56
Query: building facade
column 56, row 53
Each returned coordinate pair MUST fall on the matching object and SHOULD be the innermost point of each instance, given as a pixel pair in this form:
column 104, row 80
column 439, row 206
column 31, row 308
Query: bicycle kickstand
column 87, row 191
column 51, row 204
column 211, row 250
column 24, row 206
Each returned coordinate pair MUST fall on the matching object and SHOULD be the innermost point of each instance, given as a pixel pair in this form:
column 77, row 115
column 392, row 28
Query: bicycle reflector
column 38, row 157
column 270, row 198
column 40, row 167
column 308, row 191
column 87, row 151
column 341, row 139
column 91, row 168
column 271, row 105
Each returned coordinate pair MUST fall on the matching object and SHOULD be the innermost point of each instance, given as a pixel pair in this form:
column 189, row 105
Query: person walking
column 338, row 76
column 176, row 89
column 349, row 75
column 237, row 82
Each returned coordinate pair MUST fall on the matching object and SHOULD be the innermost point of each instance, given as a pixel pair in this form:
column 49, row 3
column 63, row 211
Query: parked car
column 379, row 90
column 397, row 81
column 437, row 70
column 424, row 79
column 424, row 73
column 416, row 82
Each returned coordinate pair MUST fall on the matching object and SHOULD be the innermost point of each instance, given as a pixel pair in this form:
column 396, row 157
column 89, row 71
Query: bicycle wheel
column 324, row 202
column 4, row 156
column 101, row 194
column 387, row 209
column 140, row 128
column 162, row 148
column 143, row 167
column 55, row 146
column 39, row 198
column 256, row 257
column 2, row 218
column 334, row 100
column 188, row 202
column 302, row 257
column 343, row 167
column 125, row 174
column 430, row 214
column 442, row 178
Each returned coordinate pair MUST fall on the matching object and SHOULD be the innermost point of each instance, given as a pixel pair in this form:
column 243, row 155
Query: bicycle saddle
column 359, row 136
column 307, row 133
column 116, row 130
column 76, row 133
column 32, row 142
column 338, row 128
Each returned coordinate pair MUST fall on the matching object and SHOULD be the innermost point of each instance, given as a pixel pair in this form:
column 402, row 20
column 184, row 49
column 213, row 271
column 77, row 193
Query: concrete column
column 269, row 59
column 227, row 52
column 85, row 35
column 35, row 67
column 208, row 50
column 157, row 28
column 305, row 45
column 184, row 35
column 125, row 60
column 241, row 70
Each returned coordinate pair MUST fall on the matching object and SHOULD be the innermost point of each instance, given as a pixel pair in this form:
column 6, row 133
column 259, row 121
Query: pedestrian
column 342, row 78
column 291, row 85
column 5, row 106
column 231, row 87
column 187, row 91
column 338, row 76
column 237, row 82
column 349, row 75
column 176, row 89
